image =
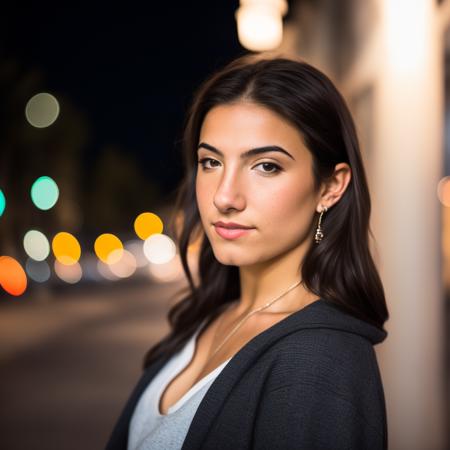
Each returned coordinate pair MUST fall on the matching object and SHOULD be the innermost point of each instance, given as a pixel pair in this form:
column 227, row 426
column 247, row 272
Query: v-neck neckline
column 242, row 359
column 189, row 348
column 192, row 343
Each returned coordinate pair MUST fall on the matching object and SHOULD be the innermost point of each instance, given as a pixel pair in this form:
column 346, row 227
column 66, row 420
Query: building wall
column 388, row 63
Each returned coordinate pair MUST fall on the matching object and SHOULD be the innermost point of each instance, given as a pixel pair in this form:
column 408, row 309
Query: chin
column 233, row 258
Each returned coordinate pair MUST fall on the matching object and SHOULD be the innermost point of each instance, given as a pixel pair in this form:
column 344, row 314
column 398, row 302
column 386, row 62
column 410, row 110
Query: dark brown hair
column 340, row 269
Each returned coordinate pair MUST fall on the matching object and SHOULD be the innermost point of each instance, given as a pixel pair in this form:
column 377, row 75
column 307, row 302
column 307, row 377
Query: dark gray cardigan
column 311, row 381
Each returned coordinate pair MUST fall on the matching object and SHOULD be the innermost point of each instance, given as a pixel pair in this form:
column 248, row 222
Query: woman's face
column 271, row 192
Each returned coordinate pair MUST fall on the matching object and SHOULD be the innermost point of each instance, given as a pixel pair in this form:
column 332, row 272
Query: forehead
column 244, row 125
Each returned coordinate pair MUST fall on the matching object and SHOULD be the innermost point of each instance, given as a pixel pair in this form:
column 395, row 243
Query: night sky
column 130, row 71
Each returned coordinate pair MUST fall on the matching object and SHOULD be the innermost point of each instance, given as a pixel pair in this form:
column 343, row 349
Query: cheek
column 202, row 194
column 289, row 206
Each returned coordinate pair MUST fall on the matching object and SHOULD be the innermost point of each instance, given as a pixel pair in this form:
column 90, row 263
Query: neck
column 263, row 282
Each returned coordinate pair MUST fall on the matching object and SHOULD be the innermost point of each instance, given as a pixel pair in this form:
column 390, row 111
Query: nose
column 229, row 193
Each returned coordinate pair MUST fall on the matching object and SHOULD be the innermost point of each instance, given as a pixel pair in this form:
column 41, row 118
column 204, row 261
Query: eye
column 268, row 165
column 270, row 168
column 205, row 160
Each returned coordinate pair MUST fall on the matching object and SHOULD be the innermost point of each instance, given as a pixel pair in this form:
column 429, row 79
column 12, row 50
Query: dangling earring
column 319, row 233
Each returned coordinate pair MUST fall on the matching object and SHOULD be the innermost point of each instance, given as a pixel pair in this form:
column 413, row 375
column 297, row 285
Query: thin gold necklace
column 248, row 315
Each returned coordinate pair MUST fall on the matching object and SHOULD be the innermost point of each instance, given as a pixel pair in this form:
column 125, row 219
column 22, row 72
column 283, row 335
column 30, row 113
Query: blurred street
column 68, row 362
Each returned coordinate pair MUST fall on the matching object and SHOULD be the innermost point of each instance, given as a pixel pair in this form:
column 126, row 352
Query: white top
column 151, row 430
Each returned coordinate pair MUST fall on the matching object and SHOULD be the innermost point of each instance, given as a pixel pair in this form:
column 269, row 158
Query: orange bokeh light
column 12, row 276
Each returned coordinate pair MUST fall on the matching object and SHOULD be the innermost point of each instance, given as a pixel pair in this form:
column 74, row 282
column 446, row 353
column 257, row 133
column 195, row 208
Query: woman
column 273, row 347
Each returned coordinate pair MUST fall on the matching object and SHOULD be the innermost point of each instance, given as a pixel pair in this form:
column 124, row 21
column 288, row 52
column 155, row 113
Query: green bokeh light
column 2, row 202
column 44, row 193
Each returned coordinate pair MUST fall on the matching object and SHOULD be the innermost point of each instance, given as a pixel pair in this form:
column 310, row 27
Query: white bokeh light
column 125, row 266
column 260, row 23
column 42, row 110
column 159, row 248
column 36, row 245
column 105, row 271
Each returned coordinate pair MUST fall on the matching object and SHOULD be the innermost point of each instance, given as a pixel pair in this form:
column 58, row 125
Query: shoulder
column 333, row 353
column 325, row 346
column 324, row 339
column 323, row 390
column 333, row 365
column 324, row 379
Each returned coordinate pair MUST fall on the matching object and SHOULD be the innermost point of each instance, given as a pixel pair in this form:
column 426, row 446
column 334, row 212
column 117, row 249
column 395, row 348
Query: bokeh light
column 66, row 248
column 105, row 244
column 260, row 24
column 104, row 270
column 70, row 274
column 167, row 272
column 36, row 245
column 443, row 191
column 42, row 110
column 2, row 202
column 147, row 224
column 44, row 193
column 124, row 265
column 159, row 248
column 136, row 248
column 13, row 278
column 38, row 271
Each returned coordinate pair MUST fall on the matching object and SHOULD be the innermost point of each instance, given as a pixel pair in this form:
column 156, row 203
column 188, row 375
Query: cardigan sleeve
column 323, row 397
column 290, row 420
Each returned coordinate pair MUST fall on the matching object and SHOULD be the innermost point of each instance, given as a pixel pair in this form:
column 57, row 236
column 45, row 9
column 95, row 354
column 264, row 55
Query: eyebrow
column 251, row 152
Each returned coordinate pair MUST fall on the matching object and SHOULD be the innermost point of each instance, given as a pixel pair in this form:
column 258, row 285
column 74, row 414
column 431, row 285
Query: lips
column 231, row 233
column 231, row 225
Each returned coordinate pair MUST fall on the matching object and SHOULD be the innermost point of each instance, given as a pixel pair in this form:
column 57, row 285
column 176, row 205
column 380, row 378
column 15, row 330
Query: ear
column 333, row 188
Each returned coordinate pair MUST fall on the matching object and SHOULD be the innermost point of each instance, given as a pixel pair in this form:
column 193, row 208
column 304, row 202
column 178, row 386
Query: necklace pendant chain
column 251, row 313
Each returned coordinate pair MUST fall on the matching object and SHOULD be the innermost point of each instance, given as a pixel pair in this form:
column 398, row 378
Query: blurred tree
column 116, row 190
column 118, row 193
column 27, row 153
